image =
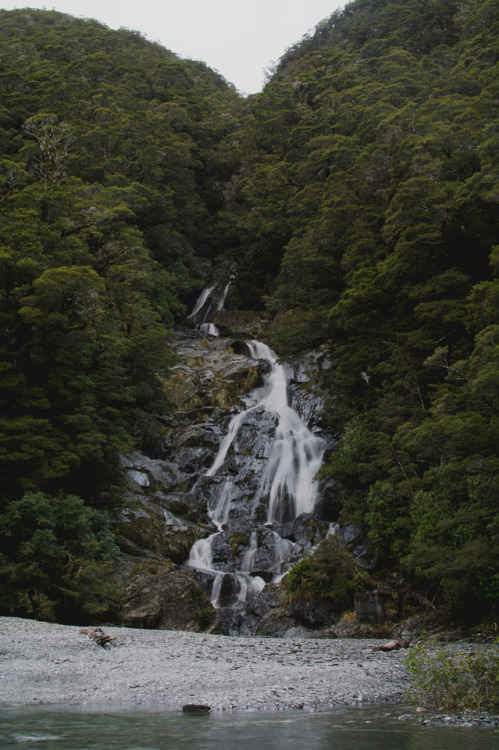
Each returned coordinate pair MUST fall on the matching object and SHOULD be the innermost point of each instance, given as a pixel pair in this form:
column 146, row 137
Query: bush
column 454, row 681
column 330, row 572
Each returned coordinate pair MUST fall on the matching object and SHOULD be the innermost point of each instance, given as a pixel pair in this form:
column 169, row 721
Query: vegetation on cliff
column 357, row 195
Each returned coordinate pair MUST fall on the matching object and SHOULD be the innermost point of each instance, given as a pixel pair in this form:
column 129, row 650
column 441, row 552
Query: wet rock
column 350, row 535
column 195, row 435
column 171, row 497
column 144, row 471
column 160, row 526
column 228, row 591
column 353, row 540
column 196, row 708
column 305, row 531
column 210, row 373
column 261, row 614
column 222, row 551
column 239, row 322
column 315, row 615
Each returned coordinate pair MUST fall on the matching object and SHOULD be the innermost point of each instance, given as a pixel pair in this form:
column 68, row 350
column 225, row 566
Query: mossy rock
column 149, row 535
column 237, row 540
column 161, row 597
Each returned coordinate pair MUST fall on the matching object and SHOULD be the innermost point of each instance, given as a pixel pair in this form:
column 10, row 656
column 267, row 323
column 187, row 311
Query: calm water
column 369, row 728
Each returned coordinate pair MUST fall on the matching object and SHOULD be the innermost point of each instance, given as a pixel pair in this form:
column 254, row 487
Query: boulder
column 161, row 597
column 374, row 607
column 350, row 627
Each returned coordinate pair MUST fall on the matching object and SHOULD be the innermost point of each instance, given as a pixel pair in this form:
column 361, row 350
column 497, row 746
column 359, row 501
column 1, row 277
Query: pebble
column 462, row 719
column 48, row 663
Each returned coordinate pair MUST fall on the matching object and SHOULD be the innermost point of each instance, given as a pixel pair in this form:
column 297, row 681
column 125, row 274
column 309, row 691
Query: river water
column 350, row 728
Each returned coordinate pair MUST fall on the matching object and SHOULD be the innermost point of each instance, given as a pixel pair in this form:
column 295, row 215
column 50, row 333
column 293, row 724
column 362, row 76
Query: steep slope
column 106, row 226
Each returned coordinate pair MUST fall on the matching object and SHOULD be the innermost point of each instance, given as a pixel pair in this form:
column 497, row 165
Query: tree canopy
column 106, row 217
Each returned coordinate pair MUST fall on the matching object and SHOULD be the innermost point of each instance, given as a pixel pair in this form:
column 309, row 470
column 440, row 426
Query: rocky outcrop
column 375, row 607
column 168, row 501
column 158, row 519
column 167, row 498
column 239, row 323
column 159, row 596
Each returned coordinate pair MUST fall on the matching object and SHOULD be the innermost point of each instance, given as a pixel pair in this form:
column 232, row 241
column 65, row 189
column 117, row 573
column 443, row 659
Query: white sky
column 238, row 38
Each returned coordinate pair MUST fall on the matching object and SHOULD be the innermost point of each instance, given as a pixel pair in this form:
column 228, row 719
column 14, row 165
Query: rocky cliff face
column 208, row 533
column 212, row 524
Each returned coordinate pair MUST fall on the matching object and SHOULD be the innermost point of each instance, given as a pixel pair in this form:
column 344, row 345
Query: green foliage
column 57, row 561
column 459, row 681
column 328, row 573
column 103, row 194
column 108, row 188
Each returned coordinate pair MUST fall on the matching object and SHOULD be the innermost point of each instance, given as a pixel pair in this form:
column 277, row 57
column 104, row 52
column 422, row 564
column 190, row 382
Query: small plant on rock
column 330, row 572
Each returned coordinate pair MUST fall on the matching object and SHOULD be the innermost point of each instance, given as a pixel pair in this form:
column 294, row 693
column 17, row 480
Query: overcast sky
column 239, row 38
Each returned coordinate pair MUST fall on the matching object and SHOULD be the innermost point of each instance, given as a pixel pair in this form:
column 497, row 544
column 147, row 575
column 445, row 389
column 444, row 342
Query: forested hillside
column 368, row 192
column 107, row 198
column 357, row 196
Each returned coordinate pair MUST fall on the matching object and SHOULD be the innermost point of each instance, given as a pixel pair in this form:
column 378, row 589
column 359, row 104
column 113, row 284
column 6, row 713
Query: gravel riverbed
column 44, row 663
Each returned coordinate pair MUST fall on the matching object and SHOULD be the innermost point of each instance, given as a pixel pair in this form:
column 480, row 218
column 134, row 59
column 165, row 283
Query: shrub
column 440, row 679
column 330, row 572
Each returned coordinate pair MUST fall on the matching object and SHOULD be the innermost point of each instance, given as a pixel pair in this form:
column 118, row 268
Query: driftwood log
column 98, row 636
column 391, row 646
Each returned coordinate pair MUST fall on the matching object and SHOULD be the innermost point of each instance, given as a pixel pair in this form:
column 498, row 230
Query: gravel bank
column 46, row 663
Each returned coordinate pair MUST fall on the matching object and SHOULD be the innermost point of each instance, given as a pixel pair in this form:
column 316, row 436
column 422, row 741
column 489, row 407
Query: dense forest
column 357, row 196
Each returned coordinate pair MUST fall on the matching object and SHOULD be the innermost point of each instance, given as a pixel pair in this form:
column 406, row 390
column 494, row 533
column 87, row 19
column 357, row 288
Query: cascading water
column 201, row 308
column 211, row 298
column 270, row 440
column 296, row 455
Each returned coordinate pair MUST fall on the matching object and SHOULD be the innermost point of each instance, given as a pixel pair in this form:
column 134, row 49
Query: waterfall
column 201, row 302
column 285, row 485
column 296, row 454
column 249, row 556
column 208, row 328
column 211, row 298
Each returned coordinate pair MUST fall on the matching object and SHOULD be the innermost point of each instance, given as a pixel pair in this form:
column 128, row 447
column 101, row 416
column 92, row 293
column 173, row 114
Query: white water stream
column 204, row 305
column 201, row 301
column 286, row 487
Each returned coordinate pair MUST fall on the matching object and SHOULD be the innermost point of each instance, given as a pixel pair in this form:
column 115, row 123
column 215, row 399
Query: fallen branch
column 98, row 636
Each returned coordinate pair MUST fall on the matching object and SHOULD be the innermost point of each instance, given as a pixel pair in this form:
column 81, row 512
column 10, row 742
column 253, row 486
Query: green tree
column 57, row 561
